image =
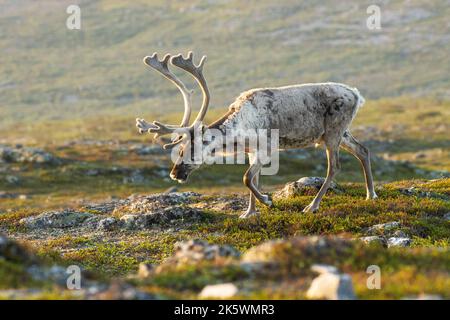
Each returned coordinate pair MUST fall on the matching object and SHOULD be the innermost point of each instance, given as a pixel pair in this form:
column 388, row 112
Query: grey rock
column 56, row 219
column 300, row 186
column 150, row 203
column 107, row 224
column 398, row 242
column 20, row 154
column 447, row 216
column 167, row 215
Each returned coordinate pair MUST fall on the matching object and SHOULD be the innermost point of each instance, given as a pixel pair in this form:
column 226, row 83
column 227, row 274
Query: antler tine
column 162, row 67
column 188, row 65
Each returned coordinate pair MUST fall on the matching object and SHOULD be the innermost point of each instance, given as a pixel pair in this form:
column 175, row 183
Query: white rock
column 219, row 291
column 330, row 285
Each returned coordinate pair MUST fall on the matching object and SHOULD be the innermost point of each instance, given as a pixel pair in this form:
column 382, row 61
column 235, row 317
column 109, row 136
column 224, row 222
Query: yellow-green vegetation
column 421, row 268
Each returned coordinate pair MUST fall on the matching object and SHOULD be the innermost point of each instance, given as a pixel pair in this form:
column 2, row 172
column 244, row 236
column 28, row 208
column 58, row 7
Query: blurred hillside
column 49, row 72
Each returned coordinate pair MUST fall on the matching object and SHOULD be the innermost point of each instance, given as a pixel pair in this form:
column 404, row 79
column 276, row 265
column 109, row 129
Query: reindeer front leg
column 251, row 180
column 251, row 210
column 333, row 169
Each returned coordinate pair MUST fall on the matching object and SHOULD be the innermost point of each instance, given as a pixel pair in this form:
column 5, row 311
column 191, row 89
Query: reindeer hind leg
column 353, row 146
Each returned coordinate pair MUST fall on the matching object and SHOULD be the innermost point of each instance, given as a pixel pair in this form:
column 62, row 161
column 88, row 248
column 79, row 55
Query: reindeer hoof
column 267, row 201
column 310, row 208
column 372, row 196
column 249, row 214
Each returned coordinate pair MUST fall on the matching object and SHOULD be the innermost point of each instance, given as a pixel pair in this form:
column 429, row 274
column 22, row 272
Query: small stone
column 398, row 242
column 447, row 216
column 219, row 291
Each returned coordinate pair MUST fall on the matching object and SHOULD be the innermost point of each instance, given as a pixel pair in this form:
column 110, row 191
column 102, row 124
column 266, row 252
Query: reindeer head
column 182, row 135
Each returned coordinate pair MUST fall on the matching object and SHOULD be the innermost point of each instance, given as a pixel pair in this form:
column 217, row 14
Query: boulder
column 303, row 186
column 167, row 215
column 56, row 219
column 149, row 203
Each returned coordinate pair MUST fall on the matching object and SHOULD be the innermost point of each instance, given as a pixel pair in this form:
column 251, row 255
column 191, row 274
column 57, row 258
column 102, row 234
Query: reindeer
column 304, row 114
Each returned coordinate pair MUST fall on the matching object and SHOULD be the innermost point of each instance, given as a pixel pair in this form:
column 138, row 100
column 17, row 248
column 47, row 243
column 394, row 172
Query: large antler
column 197, row 72
column 157, row 127
column 188, row 65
